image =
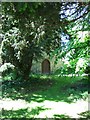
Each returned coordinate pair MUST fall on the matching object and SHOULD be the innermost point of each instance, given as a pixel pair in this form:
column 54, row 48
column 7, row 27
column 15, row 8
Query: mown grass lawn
column 45, row 97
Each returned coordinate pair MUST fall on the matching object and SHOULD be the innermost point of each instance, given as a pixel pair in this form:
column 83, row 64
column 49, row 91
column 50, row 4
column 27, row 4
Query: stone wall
column 37, row 66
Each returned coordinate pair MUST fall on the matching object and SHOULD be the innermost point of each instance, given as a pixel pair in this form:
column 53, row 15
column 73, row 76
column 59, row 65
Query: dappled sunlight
column 39, row 98
column 45, row 98
column 47, row 108
column 80, row 64
column 63, row 108
column 43, row 77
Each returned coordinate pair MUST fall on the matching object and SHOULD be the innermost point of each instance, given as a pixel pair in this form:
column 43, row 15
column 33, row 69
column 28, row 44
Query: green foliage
column 76, row 55
column 33, row 22
column 87, row 70
column 81, row 54
column 78, row 45
column 15, row 50
column 29, row 29
column 6, row 69
column 26, row 33
column 66, row 69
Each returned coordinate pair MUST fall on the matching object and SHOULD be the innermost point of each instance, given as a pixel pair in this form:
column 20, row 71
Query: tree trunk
column 24, row 69
column 27, row 70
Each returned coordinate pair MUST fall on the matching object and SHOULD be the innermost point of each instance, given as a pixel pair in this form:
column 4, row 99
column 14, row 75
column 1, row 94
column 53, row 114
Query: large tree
column 31, row 28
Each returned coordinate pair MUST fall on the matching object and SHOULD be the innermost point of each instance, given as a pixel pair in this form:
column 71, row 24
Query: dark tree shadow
column 40, row 89
column 25, row 89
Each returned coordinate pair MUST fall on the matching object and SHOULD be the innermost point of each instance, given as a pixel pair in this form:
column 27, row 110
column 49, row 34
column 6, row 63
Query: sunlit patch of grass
column 41, row 110
column 9, row 104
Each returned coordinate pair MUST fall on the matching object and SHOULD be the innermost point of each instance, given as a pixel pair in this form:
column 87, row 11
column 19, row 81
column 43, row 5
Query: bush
column 7, row 69
column 17, row 50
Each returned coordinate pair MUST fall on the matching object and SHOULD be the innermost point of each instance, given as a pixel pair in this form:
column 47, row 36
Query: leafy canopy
column 33, row 28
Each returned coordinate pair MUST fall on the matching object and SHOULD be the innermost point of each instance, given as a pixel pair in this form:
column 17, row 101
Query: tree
column 32, row 28
column 73, row 50
column 77, row 52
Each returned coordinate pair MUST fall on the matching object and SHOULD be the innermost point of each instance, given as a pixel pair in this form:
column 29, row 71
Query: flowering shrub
column 6, row 68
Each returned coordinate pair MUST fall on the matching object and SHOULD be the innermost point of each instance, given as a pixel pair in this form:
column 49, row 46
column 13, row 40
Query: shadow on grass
column 43, row 88
column 85, row 114
column 22, row 113
column 62, row 117
column 39, row 89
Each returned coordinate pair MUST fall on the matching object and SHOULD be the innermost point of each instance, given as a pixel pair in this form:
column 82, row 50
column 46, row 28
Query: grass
column 42, row 96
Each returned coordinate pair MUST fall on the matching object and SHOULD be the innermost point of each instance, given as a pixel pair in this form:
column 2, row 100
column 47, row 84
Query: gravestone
column 46, row 67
